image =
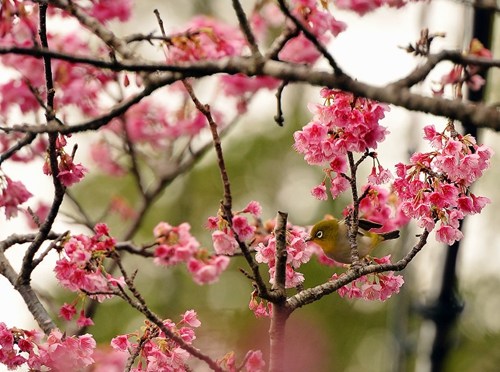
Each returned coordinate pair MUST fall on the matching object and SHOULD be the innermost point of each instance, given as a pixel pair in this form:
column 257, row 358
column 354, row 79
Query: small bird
column 332, row 236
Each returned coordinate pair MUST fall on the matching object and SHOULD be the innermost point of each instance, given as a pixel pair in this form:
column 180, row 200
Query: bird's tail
column 390, row 235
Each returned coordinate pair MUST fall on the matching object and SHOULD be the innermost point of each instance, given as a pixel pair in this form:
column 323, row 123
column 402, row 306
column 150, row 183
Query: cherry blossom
column 80, row 266
column 298, row 253
column 435, row 187
column 157, row 351
column 13, row 194
column 177, row 245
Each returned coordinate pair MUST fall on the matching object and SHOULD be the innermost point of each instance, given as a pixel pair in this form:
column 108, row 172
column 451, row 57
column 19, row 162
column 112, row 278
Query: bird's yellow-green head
column 325, row 234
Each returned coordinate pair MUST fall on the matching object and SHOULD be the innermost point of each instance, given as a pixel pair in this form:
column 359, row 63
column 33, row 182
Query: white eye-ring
column 319, row 234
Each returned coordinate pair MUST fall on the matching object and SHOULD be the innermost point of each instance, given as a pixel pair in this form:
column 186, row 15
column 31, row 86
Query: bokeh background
column 332, row 334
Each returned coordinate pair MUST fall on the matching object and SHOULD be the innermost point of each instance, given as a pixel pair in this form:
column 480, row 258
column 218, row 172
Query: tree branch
column 479, row 115
column 310, row 295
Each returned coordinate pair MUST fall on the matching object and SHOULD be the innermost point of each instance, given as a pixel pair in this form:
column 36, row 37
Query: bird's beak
column 308, row 239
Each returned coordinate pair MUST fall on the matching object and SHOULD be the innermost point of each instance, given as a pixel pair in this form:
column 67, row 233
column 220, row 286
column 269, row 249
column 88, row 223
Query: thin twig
column 140, row 304
column 311, row 37
column 26, row 140
column 245, row 28
column 278, row 118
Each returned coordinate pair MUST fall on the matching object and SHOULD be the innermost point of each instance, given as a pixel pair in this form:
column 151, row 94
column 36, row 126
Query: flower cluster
column 298, row 253
column 435, row 186
column 13, row 194
column 68, row 311
column 76, row 85
column 57, row 353
column 343, row 123
column 81, row 266
column 377, row 286
column 205, row 39
column 177, row 245
column 69, row 172
column 261, row 308
column 224, row 239
column 158, row 352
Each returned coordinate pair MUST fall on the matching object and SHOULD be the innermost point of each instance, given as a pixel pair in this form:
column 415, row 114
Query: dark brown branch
column 481, row 116
column 278, row 118
column 27, row 265
column 205, row 110
column 352, row 219
column 280, row 42
column 29, row 296
column 281, row 255
column 140, row 304
column 245, row 29
column 26, row 140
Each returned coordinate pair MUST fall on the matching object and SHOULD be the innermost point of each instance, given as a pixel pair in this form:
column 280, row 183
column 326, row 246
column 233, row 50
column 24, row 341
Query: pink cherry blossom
column 191, row 318
column 224, row 243
column 83, row 321
column 105, row 10
column 13, row 194
column 209, row 270
column 121, row 343
column 254, row 361
column 242, row 228
column 254, row 208
column 67, row 311
column 298, row 253
column 435, row 186
column 319, row 192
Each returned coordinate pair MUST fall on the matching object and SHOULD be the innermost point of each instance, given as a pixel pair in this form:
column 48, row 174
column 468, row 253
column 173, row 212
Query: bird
column 332, row 236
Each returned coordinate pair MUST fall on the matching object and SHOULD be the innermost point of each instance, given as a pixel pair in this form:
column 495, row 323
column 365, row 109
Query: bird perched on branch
column 332, row 236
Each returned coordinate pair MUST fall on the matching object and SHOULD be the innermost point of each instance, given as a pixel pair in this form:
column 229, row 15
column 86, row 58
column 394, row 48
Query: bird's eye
column 319, row 234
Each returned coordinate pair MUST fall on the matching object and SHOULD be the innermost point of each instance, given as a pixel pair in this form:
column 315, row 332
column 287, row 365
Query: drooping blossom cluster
column 68, row 311
column 69, row 172
column 80, row 267
column 298, row 253
column 468, row 74
column 224, row 239
column 376, row 286
column 343, row 123
column 56, row 353
column 13, row 194
column 260, row 308
column 159, row 352
column 435, row 187
column 177, row 245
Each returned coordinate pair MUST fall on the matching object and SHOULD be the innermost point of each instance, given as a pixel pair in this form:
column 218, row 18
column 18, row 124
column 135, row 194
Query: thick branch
column 29, row 296
column 479, row 115
column 310, row 295
column 281, row 255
